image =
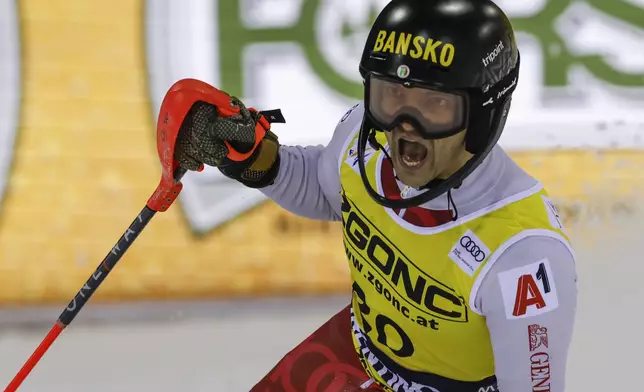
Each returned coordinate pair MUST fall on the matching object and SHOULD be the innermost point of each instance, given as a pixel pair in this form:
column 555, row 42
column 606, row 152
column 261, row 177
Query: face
column 418, row 161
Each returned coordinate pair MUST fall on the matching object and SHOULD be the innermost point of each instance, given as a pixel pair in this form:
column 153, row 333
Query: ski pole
column 173, row 111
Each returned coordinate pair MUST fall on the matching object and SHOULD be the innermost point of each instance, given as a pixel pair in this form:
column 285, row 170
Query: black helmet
column 463, row 48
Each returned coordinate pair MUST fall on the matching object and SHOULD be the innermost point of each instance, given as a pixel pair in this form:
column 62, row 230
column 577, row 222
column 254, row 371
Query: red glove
column 218, row 130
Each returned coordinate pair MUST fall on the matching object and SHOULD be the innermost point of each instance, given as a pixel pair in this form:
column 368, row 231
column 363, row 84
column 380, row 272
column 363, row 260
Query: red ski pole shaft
column 92, row 284
column 175, row 107
column 84, row 294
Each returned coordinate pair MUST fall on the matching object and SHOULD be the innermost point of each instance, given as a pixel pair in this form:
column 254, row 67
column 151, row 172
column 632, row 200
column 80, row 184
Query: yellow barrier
column 85, row 163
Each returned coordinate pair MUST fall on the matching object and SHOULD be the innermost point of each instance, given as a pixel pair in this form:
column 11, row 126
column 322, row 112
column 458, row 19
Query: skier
column 463, row 276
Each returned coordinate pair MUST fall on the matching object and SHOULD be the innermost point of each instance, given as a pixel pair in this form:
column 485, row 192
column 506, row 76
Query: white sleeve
column 308, row 182
column 529, row 300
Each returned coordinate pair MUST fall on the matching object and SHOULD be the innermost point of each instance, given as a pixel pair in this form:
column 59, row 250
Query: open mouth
column 411, row 153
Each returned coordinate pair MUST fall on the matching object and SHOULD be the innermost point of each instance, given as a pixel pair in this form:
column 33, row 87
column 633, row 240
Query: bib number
column 386, row 329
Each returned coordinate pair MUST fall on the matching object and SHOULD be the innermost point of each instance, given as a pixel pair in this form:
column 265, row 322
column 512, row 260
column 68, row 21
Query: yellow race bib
column 413, row 312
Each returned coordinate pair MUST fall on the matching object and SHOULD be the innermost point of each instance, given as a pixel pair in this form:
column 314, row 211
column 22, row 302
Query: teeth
column 410, row 163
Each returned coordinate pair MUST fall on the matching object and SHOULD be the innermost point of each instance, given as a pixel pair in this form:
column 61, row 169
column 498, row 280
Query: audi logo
column 472, row 248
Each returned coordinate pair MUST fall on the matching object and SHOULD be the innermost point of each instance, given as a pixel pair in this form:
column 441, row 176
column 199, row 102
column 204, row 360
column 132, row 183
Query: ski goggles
column 436, row 114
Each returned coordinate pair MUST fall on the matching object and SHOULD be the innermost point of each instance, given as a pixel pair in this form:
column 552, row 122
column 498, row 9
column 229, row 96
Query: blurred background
column 217, row 289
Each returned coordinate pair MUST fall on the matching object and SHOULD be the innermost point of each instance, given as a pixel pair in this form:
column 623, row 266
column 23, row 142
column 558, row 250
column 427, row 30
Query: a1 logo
column 528, row 291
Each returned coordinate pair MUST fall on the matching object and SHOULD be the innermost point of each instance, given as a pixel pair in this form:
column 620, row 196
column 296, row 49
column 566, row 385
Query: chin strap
column 450, row 203
column 451, row 206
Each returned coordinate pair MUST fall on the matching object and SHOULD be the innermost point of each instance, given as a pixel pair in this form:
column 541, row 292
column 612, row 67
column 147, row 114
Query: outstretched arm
column 529, row 299
column 219, row 130
column 308, row 183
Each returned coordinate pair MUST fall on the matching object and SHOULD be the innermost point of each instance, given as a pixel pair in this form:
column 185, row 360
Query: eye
column 393, row 91
column 436, row 102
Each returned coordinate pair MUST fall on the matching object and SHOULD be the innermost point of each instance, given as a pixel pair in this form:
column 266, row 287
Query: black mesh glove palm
column 230, row 142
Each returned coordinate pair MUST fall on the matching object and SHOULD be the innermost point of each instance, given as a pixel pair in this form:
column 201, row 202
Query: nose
column 407, row 127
